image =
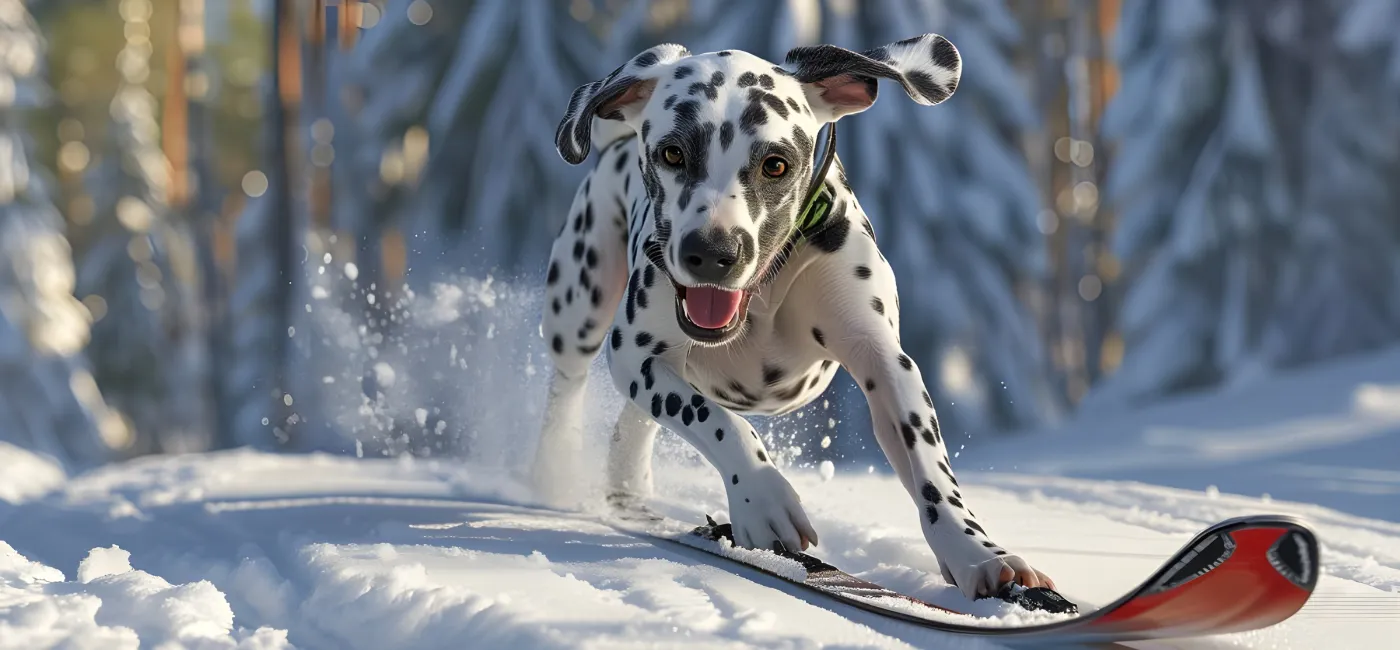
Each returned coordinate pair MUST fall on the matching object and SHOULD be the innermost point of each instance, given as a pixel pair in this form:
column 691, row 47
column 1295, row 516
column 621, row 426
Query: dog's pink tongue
column 711, row 308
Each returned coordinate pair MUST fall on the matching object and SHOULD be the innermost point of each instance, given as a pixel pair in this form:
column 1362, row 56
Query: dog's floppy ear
column 618, row 96
column 840, row 82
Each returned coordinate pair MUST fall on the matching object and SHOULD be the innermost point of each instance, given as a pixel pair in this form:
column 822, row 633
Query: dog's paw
column 986, row 577
column 554, row 478
column 763, row 509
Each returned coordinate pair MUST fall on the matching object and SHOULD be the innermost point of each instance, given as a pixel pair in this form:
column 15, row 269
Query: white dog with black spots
column 683, row 261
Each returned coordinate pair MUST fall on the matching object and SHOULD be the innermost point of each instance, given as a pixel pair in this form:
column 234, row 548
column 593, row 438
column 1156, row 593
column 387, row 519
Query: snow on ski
column 1240, row 574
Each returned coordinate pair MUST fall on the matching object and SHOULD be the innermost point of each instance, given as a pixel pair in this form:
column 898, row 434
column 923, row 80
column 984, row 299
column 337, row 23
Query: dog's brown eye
column 672, row 156
column 773, row 167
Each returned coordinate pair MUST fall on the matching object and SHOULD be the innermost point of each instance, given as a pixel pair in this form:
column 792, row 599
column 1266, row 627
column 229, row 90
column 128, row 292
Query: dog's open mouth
column 710, row 314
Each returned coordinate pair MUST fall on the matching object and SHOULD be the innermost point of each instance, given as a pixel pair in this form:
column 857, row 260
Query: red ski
column 1240, row 574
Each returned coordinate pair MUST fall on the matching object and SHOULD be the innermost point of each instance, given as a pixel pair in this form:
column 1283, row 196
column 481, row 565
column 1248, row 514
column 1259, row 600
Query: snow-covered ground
column 253, row 551
column 1328, row 435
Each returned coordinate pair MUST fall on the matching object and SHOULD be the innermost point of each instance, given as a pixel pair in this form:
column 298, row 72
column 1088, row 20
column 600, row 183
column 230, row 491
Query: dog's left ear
column 841, row 82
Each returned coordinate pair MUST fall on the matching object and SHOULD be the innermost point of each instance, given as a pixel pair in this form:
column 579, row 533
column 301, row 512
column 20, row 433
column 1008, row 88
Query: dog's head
column 726, row 142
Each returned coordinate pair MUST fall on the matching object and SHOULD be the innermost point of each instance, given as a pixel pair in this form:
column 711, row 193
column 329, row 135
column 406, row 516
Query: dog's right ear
column 618, row 96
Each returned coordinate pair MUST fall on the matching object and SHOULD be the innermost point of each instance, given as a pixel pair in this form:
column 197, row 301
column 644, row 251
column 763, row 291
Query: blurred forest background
column 321, row 224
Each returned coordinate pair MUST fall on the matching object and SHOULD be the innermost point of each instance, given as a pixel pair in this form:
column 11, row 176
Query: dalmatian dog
column 683, row 259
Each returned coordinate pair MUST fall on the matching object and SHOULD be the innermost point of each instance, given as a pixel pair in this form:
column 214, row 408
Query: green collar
column 812, row 217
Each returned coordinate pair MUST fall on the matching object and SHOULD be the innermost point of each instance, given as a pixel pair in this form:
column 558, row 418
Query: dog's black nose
column 711, row 256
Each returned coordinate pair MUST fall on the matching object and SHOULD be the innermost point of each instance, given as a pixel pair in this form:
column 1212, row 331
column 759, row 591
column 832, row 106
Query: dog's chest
column 771, row 370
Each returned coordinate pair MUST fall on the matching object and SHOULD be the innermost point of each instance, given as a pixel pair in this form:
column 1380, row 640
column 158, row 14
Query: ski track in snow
column 248, row 551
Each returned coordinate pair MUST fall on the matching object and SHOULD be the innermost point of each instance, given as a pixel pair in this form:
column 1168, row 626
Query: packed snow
column 247, row 550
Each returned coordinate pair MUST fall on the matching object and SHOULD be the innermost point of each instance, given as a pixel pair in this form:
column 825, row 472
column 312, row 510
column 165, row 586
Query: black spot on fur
column 632, row 390
column 557, row 344
column 687, row 415
column 621, row 161
column 660, row 348
column 928, row 400
column 723, row 53
column 696, row 401
column 869, row 385
column 642, row 299
column 792, row 103
column 702, row 413
column 719, row 434
column 909, row 436
column 973, row 525
column 930, row 493
column 739, row 388
column 555, row 306
column 705, row 89
column 591, row 257
column 932, row 514
column 726, row 135
column 748, row 79
column 863, row 272
column 585, row 281
column 595, row 297
column 762, row 457
column 772, row 374
column 578, row 250
column 820, row 338
column 649, row 276
column 905, row 362
column 832, row 236
column 643, row 339
column 947, row 472
column 915, row 420
column 646, row 60
column 926, row 86
column 765, row 81
column 553, row 276
column 734, row 479
column 989, row 544
column 929, row 438
column 753, row 116
column 673, row 404
column 684, row 71
column 647, row 373
column 656, row 405
column 944, row 54
column 772, row 102
column 878, row 305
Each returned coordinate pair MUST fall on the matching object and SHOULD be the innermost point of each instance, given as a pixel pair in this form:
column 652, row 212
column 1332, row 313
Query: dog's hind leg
column 583, row 286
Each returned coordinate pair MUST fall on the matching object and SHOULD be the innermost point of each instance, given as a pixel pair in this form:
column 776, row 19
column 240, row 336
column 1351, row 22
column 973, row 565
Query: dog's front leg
column 864, row 341
column 763, row 506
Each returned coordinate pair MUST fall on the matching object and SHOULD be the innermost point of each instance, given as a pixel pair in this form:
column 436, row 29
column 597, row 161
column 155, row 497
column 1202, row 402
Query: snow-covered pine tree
column 260, row 303
column 488, row 196
column 149, row 352
column 1256, row 218
column 1339, row 288
column 50, row 404
column 954, row 208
